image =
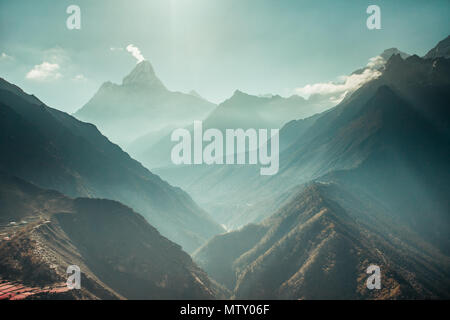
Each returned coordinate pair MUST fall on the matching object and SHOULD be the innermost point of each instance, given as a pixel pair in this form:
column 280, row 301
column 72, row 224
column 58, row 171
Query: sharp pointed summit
column 388, row 53
column 142, row 102
column 143, row 74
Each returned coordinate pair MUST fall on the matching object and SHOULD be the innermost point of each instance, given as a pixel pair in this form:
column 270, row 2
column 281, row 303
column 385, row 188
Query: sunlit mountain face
column 133, row 150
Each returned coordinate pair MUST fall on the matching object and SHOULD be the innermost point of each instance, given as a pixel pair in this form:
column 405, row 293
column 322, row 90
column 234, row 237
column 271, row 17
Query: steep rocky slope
column 319, row 245
column 120, row 255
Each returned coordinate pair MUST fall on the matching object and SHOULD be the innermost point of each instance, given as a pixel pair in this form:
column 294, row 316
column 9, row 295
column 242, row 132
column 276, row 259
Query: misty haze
column 224, row 150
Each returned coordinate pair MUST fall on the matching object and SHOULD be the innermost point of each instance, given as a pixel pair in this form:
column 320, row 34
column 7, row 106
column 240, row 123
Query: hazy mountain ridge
column 241, row 111
column 366, row 182
column 247, row 111
column 54, row 150
column 140, row 106
column 407, row 102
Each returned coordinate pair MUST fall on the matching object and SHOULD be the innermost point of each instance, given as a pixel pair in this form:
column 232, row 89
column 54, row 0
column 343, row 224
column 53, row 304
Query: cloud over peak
column 135, row 52
column 335, row 91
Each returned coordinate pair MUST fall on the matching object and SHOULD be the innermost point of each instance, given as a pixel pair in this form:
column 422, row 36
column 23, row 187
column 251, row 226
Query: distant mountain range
column 240, row 111
column 141, row 113
column 248, row 111
column 369, row 124
column 55, row 151
column 140, row 106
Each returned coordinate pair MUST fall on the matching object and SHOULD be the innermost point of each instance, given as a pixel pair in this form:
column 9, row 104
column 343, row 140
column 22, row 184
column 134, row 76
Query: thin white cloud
column 335, row 91
column 376, row 62
column 57, row 55
column 44, row 71
column 347, row 83
column 135, row 52
column 79, row 77
column 5, row 57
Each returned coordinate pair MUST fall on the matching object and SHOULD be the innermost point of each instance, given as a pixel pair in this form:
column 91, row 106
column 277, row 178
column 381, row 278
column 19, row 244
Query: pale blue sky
column 212, row 46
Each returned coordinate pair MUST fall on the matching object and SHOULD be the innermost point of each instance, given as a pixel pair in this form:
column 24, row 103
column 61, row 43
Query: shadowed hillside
column 120, row 255
column 318, row 246
column 54, row 150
